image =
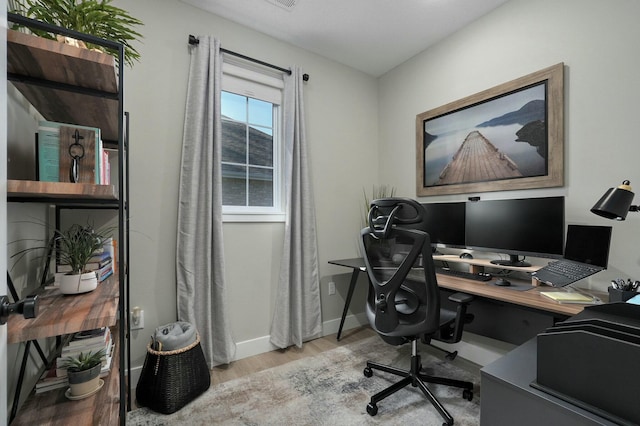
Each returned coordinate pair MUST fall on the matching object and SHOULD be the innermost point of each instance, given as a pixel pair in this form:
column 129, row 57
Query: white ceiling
column 373, row 36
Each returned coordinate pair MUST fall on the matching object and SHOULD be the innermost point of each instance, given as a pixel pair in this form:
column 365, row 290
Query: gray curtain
column 201, row 295
column 297, row 316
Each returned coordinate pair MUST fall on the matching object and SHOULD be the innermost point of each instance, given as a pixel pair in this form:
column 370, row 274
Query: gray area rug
column 326, row 389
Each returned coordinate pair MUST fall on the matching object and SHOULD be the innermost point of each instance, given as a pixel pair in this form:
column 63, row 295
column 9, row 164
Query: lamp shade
column 615, row 203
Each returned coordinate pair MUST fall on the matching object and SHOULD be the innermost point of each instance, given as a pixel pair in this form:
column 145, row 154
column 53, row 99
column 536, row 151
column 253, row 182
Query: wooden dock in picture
column 478, row 160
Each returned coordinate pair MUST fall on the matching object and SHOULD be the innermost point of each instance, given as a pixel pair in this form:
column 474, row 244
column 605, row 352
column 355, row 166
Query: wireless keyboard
column 461, row 274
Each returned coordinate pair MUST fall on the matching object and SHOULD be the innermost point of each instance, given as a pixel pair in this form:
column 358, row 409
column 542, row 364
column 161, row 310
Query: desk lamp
column 616, row 202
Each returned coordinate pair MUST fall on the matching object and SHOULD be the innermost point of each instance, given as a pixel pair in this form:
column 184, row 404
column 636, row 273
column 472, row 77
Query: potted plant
column 95, row 17
column 83, row 372
column 75, row 247
column 377, row 192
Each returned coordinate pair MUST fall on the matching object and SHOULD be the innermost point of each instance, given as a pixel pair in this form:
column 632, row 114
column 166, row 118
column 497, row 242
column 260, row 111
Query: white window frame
column 244, row 80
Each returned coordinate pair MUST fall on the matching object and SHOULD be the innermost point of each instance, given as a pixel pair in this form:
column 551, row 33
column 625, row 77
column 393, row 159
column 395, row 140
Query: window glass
column 233, row 106
column 252, row 182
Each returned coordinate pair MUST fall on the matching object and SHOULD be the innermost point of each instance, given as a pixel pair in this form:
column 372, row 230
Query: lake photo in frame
column 508, row 137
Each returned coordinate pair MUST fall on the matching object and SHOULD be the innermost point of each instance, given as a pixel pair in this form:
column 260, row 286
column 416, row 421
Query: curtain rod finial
column 305, row 77
column 193, row 39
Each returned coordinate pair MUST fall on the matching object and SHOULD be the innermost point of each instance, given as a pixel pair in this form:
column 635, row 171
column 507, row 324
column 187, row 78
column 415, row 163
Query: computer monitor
column 588, row 244
column 445, row 224
column 516, row 227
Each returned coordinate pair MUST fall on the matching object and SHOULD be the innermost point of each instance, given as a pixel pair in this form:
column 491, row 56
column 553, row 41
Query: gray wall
column 341, row 108
column 361, row 131
column 596, row 40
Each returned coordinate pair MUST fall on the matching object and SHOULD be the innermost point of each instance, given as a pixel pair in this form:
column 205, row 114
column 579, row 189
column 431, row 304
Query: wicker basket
column 170, row 380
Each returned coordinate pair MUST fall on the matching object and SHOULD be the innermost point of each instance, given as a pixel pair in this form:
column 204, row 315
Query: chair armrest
column 452, row 332
column 461, row 298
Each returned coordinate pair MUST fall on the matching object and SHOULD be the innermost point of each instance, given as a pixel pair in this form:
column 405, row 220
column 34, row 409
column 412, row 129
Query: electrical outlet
column 332, row 288
column 137, row 318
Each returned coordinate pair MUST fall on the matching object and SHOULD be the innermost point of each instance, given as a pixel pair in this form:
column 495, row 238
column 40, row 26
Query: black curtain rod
column 194, row 40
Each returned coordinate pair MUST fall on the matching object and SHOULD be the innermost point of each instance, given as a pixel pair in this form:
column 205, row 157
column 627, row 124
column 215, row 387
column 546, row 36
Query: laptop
column 586, row 253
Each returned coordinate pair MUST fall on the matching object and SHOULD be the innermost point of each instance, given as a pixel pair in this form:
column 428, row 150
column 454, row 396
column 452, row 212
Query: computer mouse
column 502, row 282
column 466, row 256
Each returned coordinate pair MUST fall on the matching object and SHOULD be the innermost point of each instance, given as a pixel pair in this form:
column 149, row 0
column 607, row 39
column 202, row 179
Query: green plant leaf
column 84, row 361
column 98, row 18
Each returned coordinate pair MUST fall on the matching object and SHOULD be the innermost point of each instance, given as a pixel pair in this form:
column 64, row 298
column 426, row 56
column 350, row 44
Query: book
column 106, row 362
column 91, row 266
column 52, row 385
column 89, row 337
column 50, row 381
column 105, row 272
column 69, row 351
column 568, row 297
column 101, row 257
column 106, row 169
column 48, row 152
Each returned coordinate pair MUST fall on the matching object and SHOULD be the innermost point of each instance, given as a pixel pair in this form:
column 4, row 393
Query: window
column 251, row 146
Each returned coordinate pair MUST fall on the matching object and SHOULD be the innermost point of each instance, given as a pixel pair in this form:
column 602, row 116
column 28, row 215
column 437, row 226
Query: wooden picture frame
column 509, row 137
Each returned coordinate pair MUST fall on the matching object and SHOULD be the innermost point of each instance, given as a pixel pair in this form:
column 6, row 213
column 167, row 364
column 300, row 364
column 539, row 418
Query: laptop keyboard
column 572, row 270
column 562, row 272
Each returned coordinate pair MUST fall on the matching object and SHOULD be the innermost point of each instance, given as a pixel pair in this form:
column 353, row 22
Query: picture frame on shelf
column 508, row 137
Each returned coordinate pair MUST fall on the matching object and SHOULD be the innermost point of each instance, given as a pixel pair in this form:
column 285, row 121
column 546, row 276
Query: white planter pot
column 76, row 284
column 84, row 383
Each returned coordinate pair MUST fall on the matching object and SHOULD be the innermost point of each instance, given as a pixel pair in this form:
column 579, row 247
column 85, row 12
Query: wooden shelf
column 61, row 314
column 32, row 62
column 59, row 190
column 53, row 408
column 454, row 258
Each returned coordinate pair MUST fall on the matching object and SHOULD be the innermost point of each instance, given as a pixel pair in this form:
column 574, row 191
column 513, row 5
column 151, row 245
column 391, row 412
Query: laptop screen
column 588, row 244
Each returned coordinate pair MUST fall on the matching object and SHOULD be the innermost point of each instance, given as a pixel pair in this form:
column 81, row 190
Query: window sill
column 257, row 218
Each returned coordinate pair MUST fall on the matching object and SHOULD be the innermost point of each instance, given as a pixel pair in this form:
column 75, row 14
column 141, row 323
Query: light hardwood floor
column 256, row 363
column 275, row 358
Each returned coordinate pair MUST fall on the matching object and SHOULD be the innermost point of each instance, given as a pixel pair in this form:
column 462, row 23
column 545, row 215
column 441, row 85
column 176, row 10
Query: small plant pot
column 79, row 283
column 84, row 382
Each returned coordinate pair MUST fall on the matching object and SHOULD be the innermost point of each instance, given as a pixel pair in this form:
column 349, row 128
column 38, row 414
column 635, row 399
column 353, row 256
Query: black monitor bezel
column 435, row 242
column 515, row 253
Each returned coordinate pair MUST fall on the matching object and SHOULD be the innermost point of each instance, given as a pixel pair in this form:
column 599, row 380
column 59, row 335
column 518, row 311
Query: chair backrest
column 403, row 299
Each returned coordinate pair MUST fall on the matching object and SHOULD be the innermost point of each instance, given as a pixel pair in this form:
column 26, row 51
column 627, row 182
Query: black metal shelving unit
column 90, row 201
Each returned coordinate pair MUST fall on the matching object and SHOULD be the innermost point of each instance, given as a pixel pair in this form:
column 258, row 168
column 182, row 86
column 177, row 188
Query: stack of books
column 85, row 342
column 102, row 262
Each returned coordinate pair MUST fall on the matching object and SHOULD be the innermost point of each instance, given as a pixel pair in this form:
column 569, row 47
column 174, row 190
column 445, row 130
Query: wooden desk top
column 529, row 298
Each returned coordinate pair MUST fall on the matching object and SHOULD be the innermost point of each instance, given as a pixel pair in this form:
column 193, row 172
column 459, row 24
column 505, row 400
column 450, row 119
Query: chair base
column 415, row 378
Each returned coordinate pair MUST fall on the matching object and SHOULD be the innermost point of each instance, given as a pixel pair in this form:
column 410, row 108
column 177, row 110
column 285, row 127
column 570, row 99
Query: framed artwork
column 508, row 137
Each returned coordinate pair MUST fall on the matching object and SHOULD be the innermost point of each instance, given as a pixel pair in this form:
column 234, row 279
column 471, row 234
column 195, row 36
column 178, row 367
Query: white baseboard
column 351, row 321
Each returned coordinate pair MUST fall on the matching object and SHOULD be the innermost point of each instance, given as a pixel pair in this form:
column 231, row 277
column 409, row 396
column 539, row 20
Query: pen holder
column 616, row 295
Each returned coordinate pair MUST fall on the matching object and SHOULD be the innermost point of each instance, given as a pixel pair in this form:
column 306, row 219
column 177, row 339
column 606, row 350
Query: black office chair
column 403, row 304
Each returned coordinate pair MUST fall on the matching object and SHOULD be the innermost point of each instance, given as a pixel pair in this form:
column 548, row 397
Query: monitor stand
column 514, row 260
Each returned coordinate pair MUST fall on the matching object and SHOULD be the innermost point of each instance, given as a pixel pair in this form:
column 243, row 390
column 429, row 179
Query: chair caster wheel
column 368, row 372
column 372, row 409
column 467, row 394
